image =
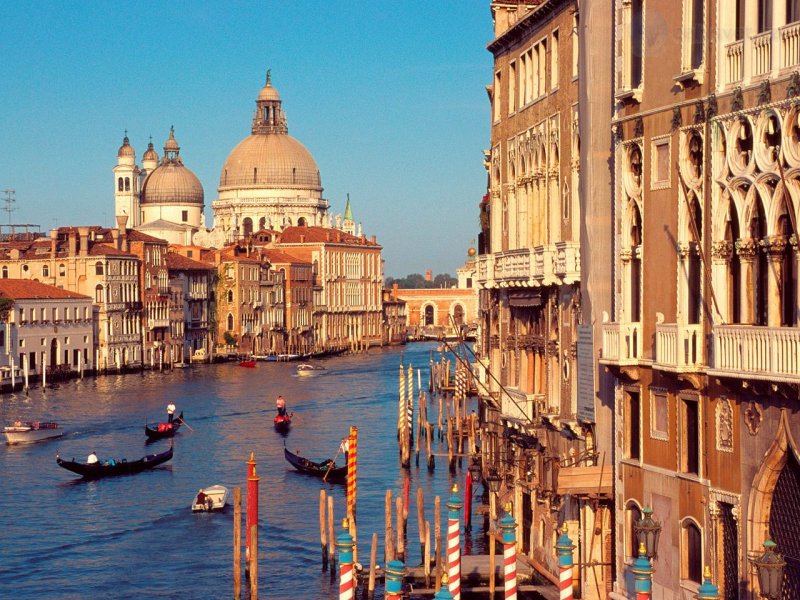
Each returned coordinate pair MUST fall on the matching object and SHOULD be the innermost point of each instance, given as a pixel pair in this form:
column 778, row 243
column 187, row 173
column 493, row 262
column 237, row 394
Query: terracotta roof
column 135, row 235
column 278, row 256
column 107, row 250
column 26, row 289
column 179, row 262
column 316, row 235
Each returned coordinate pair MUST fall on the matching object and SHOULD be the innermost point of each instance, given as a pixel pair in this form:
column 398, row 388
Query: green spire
column 348, row 214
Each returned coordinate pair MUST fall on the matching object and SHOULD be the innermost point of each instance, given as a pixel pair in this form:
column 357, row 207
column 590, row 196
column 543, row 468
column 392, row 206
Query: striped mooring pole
column 454, row 544
column 352, row 472
column 509, row 527
column 707, row 590
column 344, row 542
column 564, row 548
column 395, row 571
column 252, row 502
column 642, row 571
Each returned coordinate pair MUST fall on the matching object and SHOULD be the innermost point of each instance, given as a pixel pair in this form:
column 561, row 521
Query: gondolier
column 170, row 411
column 280, row 405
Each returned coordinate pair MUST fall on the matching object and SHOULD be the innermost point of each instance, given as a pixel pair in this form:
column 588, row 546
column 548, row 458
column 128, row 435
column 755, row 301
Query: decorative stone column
column 775, row 248
column 721, row 253
column 747, row 251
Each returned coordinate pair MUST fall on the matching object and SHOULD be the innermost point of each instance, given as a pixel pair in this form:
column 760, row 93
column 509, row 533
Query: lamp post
column 707, row 589
column 647, row 531
column 475, row 471
column 642, row 570
column 493, row 481
column 770, row 566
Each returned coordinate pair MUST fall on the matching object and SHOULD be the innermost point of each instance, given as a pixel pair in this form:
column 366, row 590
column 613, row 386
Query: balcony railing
column 771, row 353
column 762, row 53
column 567, row 264
column 519, row 405
column 513, row 265
column 734, row 54
column 790, row 45
column 679, row 348
column 622, row 343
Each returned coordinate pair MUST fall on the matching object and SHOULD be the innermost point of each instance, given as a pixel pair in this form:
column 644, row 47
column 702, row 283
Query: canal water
column 135, row 536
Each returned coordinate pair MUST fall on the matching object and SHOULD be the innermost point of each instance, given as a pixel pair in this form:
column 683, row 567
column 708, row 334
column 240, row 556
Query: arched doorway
column 784, row 524
column 53, row 360
column 428, row 316
column 458, row 315
column 247, row 226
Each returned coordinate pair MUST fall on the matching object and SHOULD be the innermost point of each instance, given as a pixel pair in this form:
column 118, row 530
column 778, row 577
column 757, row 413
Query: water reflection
column 135, row 536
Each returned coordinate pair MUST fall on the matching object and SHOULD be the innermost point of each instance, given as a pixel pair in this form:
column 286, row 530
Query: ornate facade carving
column 724, row 425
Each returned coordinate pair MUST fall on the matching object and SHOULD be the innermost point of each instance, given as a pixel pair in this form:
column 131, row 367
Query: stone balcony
column 679, row 348
column 530, row 267
column 622, row 344
column 753, row 352
column 517, row 404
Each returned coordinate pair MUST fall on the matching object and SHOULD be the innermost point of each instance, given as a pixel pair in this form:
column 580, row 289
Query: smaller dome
column 150, row 153
column 126, row 150
column 171, row 183
column 171, row 144
column 268, row 92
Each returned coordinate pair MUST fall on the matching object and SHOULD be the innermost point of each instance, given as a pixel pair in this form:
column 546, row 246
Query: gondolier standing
column 280, row 405
column 170, row 411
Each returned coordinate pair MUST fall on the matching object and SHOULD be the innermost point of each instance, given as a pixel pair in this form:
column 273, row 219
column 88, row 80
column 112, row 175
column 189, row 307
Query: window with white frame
column 554, row 61
column 691, row 551
column 512, row 87
column 660, row 163
column 496, row 97
column 631, row 45
column 575, row 45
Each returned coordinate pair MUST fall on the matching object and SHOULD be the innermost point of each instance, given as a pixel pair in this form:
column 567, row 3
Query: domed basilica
column 269, row 181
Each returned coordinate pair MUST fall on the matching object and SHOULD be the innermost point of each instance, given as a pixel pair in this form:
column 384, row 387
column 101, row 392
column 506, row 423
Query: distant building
column 44, row 328
column 194, row 282
column 394, row 319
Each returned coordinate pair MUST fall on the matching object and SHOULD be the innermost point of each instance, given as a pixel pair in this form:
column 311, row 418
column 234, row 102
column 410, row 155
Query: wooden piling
column 401, row 549
column 237, row 543
column 491, row 563
column 429, row 439
column 373, row 559
column 421, row 519
column 353, row 533
column 254, row 562
column 437, row 528
column 427, row 554
column 331, row 539
column 323, row 502
column 388, row 543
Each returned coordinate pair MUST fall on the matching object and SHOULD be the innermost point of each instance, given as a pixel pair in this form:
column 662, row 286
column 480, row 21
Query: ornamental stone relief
column 724, row 425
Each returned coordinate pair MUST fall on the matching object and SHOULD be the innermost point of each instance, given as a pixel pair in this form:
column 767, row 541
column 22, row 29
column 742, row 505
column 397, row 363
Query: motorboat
column 113, row 467
column 248, row 364
column 214, row 498
column 26, row 432
column 306, row 369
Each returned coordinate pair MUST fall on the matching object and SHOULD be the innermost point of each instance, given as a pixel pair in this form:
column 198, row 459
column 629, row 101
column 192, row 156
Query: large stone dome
column 270, row 160
column 170, row 182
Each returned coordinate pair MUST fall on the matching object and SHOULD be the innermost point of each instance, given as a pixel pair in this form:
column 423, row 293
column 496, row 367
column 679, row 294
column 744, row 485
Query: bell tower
column 126, row 184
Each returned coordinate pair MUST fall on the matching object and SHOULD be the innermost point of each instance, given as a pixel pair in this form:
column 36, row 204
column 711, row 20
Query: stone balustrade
column 771, row 353
column 622, row 343
column 679, row 347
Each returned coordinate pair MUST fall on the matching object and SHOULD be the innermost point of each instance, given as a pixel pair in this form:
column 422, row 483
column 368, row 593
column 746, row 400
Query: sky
column 389, row 97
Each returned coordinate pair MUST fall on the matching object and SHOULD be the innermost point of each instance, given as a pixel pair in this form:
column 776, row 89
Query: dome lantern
column 269, row 117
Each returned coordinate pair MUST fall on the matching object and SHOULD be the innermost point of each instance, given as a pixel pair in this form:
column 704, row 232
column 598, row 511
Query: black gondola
column 111, row 468
column 282, row 422
column 164, row 430
column 319, row 469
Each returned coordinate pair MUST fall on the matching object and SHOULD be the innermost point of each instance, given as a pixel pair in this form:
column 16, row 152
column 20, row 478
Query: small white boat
column 306, row 369
column 25, row 432
column 213, row 498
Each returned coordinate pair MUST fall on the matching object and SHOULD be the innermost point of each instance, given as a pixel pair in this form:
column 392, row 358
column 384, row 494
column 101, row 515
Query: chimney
column 302, row 238
column 53, row 238
column 122, row 225
column 72, row 244
column 394, row 291
column 373, row 239
column 83, row 232
column 115, row 237
column 328, row 236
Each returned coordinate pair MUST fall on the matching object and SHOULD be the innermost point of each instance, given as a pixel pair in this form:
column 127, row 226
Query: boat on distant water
column 318, row 469
column 282, row 422
column 113, row 467
column 286, row 357
column 214, row 498
column 26, row 432
column 248, row 364
column 163, row 430
column 306, row 369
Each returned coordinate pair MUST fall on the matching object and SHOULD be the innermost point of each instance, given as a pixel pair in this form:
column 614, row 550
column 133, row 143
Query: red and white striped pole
column 344, row 542
column 454, row 545
column 352, row 468
column 509, row 527
column 564, row 548
column 252, row 502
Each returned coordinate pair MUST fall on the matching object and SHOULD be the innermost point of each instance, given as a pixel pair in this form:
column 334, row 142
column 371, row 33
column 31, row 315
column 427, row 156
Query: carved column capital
column 722, row 250
column 626, row 255
column 747, row 249
column 775, row 247
column 682, row 250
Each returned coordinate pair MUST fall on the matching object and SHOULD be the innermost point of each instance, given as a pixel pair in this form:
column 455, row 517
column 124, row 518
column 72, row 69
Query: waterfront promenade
column 134, row 537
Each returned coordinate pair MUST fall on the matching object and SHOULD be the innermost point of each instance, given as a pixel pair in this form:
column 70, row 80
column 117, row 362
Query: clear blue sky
column 388, row 97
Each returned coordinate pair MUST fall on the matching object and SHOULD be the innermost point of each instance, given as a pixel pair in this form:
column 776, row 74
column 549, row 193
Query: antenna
column 9, row 200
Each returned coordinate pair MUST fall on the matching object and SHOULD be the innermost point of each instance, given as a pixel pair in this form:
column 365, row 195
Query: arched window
column 127, row 184
column 635, row 241
column 98, row 268
column 98, row 294
column 45, row 271
column 301, row 222
column 62, row 270
column 691, row 552
column 230, row 322
column 458, row 315
column 247, row 226
column 429, row 315
column 119, row 184
column 632, row 514
column 262, row 222
column 5, row 272
column 695, row 266
column 230, row 296
column 758, row 231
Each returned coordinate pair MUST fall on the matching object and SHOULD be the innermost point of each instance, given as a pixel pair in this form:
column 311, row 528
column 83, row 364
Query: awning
column 584, row 481
column 524, row 299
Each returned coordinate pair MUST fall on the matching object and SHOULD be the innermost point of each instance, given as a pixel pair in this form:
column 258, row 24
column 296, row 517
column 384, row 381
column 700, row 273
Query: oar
column 330, row 464
column 185, row 423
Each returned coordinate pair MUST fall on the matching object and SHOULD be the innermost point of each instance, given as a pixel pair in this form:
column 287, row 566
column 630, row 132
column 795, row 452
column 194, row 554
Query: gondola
column 282, row 422
column 318, row 469
column 111, row 468
column 163, row 430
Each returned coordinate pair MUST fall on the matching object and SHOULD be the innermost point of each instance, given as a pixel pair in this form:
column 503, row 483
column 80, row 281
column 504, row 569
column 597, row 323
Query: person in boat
column 170, row 411
column 92, row 459
column 201, row 497
column 280, row 405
